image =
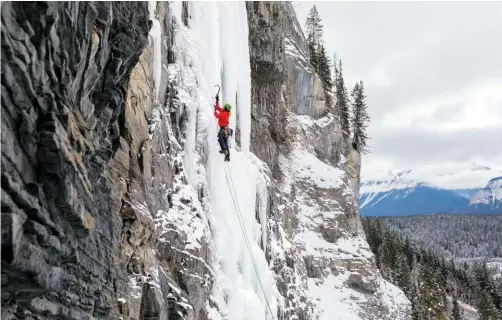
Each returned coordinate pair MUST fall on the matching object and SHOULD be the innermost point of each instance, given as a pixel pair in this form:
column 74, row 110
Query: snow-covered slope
column 430, row 189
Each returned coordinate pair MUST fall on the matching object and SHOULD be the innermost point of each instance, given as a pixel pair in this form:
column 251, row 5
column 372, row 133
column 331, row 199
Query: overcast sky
column 432, row 74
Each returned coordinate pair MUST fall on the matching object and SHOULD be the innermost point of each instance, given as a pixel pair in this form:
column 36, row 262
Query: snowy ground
column 470, row 313
column 318, row 190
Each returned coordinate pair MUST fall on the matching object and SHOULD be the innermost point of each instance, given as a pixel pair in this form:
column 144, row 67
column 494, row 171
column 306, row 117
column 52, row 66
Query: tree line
column 428, row 279
column 355, row 121
column 463, row 237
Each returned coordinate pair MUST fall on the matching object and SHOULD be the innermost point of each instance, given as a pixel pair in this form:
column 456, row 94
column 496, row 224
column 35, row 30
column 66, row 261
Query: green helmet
column 227, row 106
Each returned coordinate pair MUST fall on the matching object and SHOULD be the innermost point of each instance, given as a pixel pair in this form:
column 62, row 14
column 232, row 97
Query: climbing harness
column 229, row 132
column 231, row 187
column 225, row 134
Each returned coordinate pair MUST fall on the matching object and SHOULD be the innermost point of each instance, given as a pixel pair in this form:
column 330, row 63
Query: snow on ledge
column 302, row 165
column 339, row 302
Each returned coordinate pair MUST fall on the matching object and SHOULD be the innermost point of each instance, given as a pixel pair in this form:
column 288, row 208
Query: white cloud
column 478, row 108
column 448, row 175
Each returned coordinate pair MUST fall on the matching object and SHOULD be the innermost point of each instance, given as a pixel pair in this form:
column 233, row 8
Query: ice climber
column 223, row 115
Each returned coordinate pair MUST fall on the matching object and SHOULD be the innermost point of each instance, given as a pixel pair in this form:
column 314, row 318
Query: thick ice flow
column 214, row 50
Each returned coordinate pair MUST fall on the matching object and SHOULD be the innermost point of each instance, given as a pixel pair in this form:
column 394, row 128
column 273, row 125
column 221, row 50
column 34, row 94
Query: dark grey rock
column 81, row 180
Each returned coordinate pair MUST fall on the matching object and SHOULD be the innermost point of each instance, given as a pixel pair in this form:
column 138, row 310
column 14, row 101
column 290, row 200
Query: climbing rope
column 246, row 239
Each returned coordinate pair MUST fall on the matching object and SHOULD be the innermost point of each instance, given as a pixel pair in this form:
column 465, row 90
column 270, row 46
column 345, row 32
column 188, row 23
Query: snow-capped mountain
column 489, row 198
column 430, row 189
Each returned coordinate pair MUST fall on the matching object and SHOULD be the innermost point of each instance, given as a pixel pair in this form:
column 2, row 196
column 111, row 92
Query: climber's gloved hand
column 217, row 98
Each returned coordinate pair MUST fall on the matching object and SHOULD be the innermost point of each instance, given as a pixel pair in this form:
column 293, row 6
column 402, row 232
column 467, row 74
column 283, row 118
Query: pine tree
column 317, row 53
column 314, row 36
column 426, row 278
column 342, row 100
column 335, row 69
column 432, row 295
column 313, row 55
column 325, row 68
column 314, row 26
column 486, row 308
column 324, row 71
column 359, row 118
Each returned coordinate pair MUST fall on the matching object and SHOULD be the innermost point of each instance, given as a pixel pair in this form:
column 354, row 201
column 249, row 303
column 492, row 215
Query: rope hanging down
column 246, row 239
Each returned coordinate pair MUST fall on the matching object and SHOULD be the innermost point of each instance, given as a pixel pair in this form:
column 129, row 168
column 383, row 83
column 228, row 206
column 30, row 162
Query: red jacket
column 222, row 115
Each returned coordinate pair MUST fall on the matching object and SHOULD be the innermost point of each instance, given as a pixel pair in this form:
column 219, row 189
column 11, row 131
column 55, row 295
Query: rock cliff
column 325, row 268
column 90, row 164
column 103, row 214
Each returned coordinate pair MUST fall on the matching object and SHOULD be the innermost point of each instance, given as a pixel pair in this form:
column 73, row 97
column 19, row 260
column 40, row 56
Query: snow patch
column 339, row 302
column 303, row 165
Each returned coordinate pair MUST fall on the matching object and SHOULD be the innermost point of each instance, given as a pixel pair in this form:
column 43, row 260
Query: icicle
column 156, row 36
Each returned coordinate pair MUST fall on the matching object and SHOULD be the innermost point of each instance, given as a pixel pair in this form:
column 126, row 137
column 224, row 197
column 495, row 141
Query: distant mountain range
column 432, row 190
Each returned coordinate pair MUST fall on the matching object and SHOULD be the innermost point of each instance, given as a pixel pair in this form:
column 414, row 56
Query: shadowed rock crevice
column 149, row 309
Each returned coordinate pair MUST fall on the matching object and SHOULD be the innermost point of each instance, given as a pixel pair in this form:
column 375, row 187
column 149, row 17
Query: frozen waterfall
column 214, row 50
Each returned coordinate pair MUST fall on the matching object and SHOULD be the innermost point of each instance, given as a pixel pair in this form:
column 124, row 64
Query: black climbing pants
column 223, row 139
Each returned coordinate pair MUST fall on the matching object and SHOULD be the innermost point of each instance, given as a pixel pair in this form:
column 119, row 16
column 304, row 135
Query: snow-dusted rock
column 489, row 198
column 324, row 265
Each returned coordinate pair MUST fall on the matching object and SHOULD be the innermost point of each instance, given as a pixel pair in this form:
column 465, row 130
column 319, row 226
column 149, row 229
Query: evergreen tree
column 317, row 53
column 335, row 69
column 456, row 311
column 314, row 26
column 313, row 56
column 427, row 278
column 314, row 36
column 359, row 118
column 432, row 295
column 417, row 310
column 486, row 308
column 324, row 71
column 324, row 66
column 342, row 100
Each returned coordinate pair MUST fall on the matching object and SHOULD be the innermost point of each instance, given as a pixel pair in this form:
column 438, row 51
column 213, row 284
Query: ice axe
column 218, row 89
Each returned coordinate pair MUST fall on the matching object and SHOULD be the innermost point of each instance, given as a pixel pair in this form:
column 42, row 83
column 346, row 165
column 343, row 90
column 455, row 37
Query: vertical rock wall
column 91, row 166
column 65, row 74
